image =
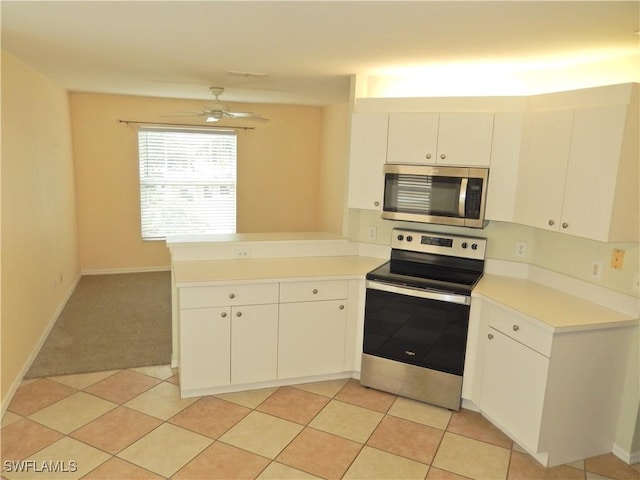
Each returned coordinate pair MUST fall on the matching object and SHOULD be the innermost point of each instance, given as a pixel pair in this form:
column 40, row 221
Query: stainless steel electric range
column 417, row 316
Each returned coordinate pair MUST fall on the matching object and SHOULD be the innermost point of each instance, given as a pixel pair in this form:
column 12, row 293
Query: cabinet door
column 465, row 139
column 205, row 335
column 505, row 154
column 513, row 387
column 596, row 145
column 413, row 138
column 542, row 172
column 367, row 156
column 254, row 343
column 312, row 338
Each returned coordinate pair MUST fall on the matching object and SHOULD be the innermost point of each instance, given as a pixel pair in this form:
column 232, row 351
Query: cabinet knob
column 490, row 336
column 565, row 224
column 516, row 328
column 223, row 314
column 232, row 295
column 443, row 156
column 376, row 204
column 341, row 307
column 238, row 314
column 428, row 156
column 315, row 291
column 551, row 223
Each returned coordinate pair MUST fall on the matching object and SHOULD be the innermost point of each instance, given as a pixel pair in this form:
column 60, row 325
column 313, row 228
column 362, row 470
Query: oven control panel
column 439, row 243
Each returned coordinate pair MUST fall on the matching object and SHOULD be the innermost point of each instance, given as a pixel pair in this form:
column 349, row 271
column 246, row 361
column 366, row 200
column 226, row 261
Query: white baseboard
column 107, row 271
column 27, row 365
column 630, row 458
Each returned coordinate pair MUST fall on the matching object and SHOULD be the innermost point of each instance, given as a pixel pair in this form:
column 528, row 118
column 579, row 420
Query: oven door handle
column 416, row 292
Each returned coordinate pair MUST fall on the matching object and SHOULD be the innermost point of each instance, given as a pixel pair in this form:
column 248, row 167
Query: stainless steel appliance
column 417, row 316
column 435, row 194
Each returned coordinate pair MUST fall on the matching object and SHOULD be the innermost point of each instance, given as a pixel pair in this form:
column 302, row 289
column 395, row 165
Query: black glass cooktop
column 432, row 277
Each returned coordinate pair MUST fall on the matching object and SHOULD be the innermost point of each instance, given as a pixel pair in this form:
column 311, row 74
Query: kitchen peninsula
column 255, row 310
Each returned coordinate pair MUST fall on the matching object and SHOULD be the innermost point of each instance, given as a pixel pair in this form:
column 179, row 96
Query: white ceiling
column 309, row 50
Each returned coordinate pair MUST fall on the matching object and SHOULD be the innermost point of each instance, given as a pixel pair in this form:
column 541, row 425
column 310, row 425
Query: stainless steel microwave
column 435, row 194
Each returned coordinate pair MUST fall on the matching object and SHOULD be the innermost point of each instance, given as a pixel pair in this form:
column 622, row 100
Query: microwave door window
column 446, row 196
column 421, row 194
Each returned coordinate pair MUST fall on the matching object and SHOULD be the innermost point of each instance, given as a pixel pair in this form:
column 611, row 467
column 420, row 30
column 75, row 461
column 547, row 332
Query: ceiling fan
column 218, row 110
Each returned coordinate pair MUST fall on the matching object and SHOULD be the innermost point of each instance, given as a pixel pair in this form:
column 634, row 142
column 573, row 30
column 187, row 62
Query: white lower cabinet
column 228, row 335
column 313, row 322
column 254, row 343
column 513, row 386
column 205, row 349
column 312, row 338
column 555, row 393
column 255, row 333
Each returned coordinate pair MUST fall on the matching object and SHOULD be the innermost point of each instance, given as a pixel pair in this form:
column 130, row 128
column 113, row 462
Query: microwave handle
column 462, row 200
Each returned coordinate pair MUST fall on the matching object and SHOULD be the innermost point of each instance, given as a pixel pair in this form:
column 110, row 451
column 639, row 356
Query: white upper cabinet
column 413, row 138
column 593, row 173
column 367, row 156
column 505, row 153
column 543, row 169
column 440, row 138
column 579, row 173
column 465, row 139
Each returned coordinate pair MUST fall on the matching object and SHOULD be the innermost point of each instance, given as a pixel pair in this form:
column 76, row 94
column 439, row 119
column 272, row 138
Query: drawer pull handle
column 516, row 328
column 223, row 314
column 411, row 354
column 232, row 295
column 490, row 336
column 238, row 314
column 315, row 290
column 341, row 307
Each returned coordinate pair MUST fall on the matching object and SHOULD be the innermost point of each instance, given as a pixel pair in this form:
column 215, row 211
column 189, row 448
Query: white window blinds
column 187, row 181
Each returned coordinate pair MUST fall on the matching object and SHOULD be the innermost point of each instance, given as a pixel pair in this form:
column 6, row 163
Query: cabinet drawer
column 521, row 330
column 310, row 291
column 228, row 295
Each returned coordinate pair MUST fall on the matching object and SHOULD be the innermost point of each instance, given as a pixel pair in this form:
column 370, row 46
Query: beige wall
column 39, row 235
column 278, row 174
column 334, row 171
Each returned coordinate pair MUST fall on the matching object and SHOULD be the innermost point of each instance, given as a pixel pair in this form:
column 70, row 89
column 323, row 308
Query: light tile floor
column 132, row 424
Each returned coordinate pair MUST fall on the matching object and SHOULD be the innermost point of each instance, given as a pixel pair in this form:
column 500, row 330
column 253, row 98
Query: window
column 187, row 181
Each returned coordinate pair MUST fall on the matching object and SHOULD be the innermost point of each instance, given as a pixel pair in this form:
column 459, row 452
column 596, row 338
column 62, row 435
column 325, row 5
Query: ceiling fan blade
column 248, row 116
column 184, row 114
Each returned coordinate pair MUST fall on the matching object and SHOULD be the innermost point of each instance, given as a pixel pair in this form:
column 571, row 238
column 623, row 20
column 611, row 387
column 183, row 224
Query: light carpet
column 110, row 322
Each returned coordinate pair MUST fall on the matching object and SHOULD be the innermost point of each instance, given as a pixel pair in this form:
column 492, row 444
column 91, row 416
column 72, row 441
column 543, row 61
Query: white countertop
column 200, row 272
column 555, row 309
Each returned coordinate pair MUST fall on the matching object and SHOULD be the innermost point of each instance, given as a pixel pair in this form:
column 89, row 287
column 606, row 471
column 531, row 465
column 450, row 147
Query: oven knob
column 409, row 238
column 400, row 237
column 474, row 246
column 465, row 244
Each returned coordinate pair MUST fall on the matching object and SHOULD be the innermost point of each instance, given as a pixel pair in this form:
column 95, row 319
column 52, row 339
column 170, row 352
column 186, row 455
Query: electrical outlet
column 521, row 249
column 243, row 253
column 373, row 233
column 596, row 270
column 617, row 258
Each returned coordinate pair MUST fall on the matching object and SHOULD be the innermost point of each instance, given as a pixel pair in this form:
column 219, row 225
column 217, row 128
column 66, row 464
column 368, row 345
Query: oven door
column 417, row 327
